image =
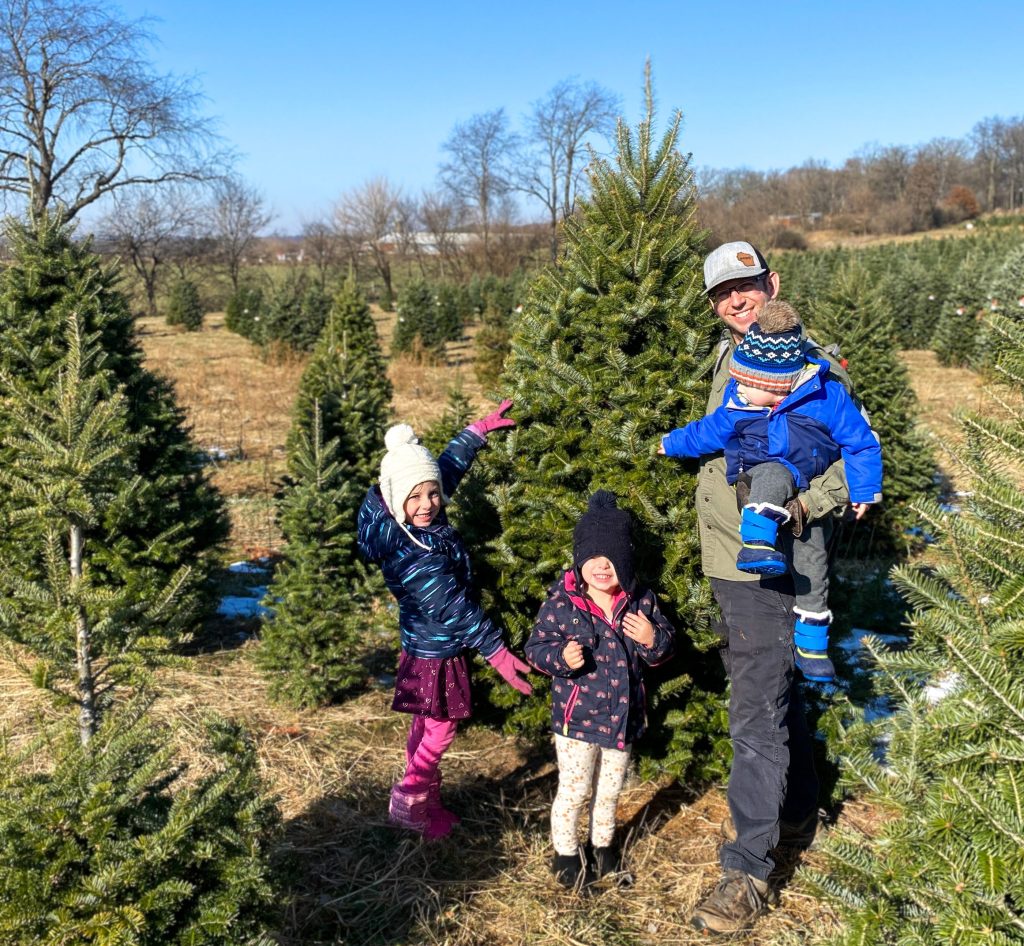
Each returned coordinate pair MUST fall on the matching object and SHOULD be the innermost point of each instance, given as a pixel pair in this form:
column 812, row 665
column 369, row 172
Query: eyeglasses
column 744, row 288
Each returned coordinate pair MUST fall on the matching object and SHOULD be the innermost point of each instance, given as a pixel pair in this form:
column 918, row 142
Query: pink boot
column 409, row 810
column 440, row 816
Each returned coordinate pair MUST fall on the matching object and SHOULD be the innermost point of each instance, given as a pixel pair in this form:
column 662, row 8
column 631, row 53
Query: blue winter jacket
column 437, row 612
column 814, row 426
column 603, row 701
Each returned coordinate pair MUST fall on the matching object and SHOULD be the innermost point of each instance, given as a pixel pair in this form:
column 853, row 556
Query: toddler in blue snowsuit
column 783, row 422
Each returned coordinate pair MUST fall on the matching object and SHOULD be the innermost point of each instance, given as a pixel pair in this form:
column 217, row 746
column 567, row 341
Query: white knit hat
column 406, row 464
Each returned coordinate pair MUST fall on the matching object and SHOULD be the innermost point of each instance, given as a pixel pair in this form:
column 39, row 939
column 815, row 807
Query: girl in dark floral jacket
column 591, row 636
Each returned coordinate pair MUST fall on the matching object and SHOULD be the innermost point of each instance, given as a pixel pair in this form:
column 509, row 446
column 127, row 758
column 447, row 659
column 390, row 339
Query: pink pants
column 428, row 741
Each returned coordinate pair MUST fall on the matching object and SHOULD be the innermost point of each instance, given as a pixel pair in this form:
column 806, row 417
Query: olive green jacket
column 717, row 515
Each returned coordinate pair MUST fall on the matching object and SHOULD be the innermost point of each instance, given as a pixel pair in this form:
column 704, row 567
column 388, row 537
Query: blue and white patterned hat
column 770, row 356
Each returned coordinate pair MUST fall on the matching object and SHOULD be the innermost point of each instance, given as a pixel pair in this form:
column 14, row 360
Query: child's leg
column 426, row 758
column 771, row 485
column 415, row 737
column 608, row 781
column 576, row 763
column 810, row 580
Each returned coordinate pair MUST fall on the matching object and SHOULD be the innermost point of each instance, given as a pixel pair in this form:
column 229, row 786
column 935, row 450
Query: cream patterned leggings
column 586, row 770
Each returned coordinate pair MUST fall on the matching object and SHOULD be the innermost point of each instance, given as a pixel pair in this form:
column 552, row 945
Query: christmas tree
column 314, row 646
column 854, row 314
column 173, row 517
column 322, row 597
column 184, row 307
column 945, row 863
column 610, row 352
column 112, row 844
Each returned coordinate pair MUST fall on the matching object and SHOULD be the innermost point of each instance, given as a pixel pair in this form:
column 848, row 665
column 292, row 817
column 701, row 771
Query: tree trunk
column 83, row 653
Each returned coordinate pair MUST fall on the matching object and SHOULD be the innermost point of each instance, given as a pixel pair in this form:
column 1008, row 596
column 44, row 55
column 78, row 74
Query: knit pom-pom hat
column 406, row 464
column 770, row 356
column 604, row 529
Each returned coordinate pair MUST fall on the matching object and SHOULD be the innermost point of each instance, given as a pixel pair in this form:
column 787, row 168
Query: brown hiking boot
column 735, row 903
column 802, row 835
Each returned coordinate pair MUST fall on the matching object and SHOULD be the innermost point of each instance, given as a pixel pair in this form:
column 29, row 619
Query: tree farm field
column 349, row 875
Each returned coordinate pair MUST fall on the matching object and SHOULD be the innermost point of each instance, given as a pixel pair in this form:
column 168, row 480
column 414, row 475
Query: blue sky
column 318, row 97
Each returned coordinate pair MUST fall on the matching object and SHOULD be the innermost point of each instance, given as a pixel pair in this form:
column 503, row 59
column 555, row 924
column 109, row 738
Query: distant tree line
column 891, row 189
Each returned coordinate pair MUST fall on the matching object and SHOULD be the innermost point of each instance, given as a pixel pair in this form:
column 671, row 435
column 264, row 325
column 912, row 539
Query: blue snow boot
column 810, row 635
column 759, row 526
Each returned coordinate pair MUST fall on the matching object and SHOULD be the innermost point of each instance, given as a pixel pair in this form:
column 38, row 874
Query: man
column 773, row 789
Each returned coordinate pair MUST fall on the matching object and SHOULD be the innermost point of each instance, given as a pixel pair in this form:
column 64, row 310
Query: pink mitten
column 509, row 666
column 493, row 421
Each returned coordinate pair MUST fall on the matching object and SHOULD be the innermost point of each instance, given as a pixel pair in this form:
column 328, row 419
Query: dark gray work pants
column 772, row 775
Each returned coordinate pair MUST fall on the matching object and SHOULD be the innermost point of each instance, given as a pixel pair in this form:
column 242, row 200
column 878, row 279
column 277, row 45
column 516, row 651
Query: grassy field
column 352, row 877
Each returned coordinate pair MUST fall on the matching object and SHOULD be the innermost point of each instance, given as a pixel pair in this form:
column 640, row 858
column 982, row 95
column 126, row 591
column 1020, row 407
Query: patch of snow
column 248, row 568
column 243, row 608
column 942, row 686
column 851, row 644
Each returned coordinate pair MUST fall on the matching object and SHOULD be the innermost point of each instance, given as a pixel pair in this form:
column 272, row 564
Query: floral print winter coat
column 602, row 702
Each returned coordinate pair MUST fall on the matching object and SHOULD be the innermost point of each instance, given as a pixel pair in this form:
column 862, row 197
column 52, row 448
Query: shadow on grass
column 353, row 878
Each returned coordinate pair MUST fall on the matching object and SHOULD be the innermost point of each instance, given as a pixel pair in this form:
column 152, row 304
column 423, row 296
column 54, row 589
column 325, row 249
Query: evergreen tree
column 295, row 314
column 184, row 307
column 111, row 844
column 955, row 339
column 1007, row 284
column 854, row 314
column 946, row 864
column 173, row 517
column 244, row 311
column 610, row 352
column 71, row 472
column 347, row 379
column 314, row 646
column 417, row 319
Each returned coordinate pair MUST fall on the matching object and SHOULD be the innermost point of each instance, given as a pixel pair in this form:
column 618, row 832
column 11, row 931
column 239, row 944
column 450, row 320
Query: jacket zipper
column 569, row 707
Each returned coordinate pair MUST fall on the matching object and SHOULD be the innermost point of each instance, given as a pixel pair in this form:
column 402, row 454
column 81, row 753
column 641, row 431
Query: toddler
column 591, row 636
column 783, row 422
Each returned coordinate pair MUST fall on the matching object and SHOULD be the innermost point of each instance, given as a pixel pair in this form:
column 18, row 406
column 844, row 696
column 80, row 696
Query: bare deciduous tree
column 478, row 170
column 366, row 215
column 323, row 248
column 82, row 113
column 443, row 216
column 557, row 130
column 148, row 226
column 237, row 215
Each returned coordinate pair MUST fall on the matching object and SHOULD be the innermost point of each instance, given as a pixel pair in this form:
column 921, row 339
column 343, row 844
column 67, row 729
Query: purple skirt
column 437, row 687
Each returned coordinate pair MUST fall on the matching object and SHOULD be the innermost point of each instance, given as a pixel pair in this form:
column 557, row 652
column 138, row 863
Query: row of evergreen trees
column 290, row 315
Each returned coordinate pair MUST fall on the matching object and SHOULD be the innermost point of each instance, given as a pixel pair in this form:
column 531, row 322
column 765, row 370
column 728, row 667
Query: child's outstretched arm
column 699, row 437
column 461, row 451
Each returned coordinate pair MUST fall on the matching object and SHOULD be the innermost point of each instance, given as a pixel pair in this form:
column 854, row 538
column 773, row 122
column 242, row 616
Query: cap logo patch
column 745, row 258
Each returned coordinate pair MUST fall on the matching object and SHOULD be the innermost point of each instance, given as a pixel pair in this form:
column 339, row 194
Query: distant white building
column 425, row 243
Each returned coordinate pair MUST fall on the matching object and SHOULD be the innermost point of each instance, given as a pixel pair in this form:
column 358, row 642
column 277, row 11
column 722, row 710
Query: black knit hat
column 604, row 529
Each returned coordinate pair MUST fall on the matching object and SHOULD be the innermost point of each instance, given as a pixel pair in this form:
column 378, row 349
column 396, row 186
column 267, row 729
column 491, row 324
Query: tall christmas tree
column 946, row 863
column 610, row 352
column 854, row 314
column 314, row 644
column 321, row 597
column 174, row 517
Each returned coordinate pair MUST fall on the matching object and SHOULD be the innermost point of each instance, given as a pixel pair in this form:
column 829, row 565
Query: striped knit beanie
column 770, row 356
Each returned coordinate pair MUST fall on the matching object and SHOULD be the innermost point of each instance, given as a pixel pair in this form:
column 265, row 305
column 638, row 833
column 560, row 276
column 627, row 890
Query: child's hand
column 493, row 421
column 860, row 509
column 661, row 448
column 638, row 627
column 573, row 655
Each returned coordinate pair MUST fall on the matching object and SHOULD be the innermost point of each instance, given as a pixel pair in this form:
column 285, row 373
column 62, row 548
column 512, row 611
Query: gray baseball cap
column 739, row 260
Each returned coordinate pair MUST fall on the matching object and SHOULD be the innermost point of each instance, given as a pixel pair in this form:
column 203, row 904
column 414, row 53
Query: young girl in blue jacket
column 591, row 636
column 403, row 527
